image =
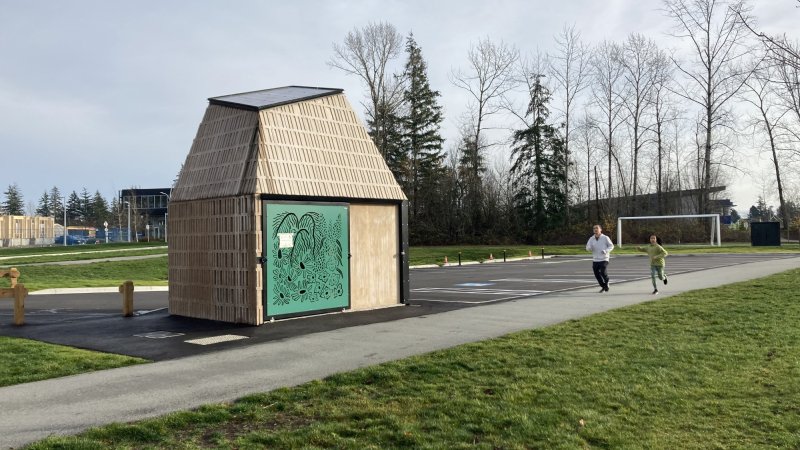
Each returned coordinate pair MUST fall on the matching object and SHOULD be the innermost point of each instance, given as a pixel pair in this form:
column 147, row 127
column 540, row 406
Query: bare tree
column 788, row 80
column 607, row 75
column 760, row 95
column 778, row 48
column 527, row 71
column 586, row 141
column 716, row 73
column 569, row 66
column 367, row 53
column 639, row 55
column 487, row 79
column 663, row 112
column 782, row 55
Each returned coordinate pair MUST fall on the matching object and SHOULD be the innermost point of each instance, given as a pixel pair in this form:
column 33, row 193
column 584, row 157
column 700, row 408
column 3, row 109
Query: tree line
column 549, row 142
column 82, row 209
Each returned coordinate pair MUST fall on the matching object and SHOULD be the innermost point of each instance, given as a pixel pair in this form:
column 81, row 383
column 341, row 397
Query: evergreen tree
column 73, row 208
column 392, row 136
column 471, row 168
column 760, row 211
column 99, row 209
column 13, row 204
column 755, row 214
column 115, row 214
column 422, row 140
column 57, row 205
column 538, row 164
column 86, row 207
column 735, row 216
column 44, row 206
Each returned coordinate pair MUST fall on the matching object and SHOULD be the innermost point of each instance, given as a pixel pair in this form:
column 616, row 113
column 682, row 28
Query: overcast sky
column 107, row 95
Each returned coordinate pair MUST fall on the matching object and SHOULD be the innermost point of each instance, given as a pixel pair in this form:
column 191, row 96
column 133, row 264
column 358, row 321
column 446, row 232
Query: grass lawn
column 717, row 368
column 153, row 272
column 21, row 261
column 435, row 255
column 24, row 360
column 145, row 272
column 51, row 249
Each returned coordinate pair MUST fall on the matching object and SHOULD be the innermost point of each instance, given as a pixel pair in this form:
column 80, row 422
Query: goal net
column 714, row 224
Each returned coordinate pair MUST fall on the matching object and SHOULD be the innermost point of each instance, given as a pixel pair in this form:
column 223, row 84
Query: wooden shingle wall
column 319, row 148
column 225, row 141
column 213, row 245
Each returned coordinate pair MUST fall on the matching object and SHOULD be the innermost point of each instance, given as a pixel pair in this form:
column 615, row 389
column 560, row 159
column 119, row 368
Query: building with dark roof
column 285, row 207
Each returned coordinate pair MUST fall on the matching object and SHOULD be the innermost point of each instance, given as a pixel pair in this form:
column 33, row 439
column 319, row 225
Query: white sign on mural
column 286, row 240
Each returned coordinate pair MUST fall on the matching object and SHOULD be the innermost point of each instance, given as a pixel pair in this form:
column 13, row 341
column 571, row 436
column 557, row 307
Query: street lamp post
column 129, row 221
column 65, row 221
column 166, row 216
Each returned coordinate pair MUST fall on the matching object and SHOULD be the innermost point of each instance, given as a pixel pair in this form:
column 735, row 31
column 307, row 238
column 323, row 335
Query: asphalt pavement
column 236, row 361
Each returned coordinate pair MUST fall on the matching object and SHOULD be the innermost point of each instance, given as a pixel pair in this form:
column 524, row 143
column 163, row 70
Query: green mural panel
column 307, row 247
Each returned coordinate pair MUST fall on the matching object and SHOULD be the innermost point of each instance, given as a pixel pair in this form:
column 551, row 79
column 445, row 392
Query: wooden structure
column 126, row 289
column 17, row 292
column 285, row 207
column 16, row 231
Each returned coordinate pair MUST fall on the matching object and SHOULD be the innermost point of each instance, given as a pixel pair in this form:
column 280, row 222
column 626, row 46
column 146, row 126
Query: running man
column 600, row 245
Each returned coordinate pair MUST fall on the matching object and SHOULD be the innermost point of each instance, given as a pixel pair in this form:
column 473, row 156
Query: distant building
column 147, row 207
column 21, row 231
column 672, row 203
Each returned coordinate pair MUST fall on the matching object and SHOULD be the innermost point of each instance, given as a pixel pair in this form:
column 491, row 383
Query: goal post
column 715, row 232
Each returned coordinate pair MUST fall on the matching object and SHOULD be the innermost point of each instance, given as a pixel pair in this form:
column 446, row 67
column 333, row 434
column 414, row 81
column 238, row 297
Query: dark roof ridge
column 270, row 98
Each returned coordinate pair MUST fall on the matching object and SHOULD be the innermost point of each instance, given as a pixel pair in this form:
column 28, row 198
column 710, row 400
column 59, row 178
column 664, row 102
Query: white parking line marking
column 545, row 280
column 216, row 339
column 158, row 335
column 477, row 302
column 478, row 291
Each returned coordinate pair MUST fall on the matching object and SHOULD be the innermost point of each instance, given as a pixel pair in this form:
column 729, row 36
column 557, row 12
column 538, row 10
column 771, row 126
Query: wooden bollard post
column 17, row 292
column 19, row 304
column 126, row 289
column 13, row 275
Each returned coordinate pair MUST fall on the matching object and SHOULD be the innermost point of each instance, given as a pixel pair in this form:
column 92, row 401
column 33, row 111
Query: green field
column 153, row 272
column 24, row 360
column 716, row 368
column 435, row 255
column 51, row 249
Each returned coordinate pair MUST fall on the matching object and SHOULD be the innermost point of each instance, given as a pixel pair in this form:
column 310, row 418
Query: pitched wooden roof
column 286, row 141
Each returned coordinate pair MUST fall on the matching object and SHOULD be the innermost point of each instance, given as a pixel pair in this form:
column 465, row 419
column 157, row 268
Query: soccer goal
column 714, row 224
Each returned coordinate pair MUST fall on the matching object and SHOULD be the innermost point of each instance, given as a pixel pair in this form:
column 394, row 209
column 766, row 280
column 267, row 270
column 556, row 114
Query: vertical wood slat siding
column 374, row 246
column 212, row 252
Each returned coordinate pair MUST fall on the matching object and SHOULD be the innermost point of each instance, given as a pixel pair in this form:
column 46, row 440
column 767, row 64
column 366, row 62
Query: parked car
column 71, row 240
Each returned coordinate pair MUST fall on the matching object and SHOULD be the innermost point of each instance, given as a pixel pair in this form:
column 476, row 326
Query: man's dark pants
column 599, row 269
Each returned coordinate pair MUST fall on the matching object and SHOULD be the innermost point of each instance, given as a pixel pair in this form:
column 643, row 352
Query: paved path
column 69, row 405
column 116, row 250
column 89, row 261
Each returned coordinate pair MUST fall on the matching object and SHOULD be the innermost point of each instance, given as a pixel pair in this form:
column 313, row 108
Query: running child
column 657, row 254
